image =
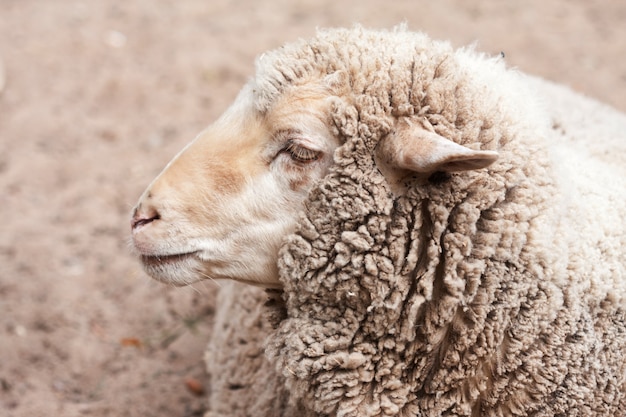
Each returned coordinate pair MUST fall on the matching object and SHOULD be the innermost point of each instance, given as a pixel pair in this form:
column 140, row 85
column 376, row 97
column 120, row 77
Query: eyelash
column 301, row 154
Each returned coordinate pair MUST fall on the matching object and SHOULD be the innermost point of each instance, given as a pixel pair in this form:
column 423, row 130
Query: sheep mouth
column 178, row 269
column 160, row 260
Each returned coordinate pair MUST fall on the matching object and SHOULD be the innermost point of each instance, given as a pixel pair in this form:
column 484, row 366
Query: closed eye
column 300, row 153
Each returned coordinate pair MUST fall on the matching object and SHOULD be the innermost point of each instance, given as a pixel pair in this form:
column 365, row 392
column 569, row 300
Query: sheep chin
column 178, row 270
column 188, row 268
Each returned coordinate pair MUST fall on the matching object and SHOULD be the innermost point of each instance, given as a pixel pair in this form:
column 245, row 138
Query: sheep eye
column 301, row 154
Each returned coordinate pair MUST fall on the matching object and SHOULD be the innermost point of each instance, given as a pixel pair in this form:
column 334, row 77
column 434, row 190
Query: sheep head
column 222, row 208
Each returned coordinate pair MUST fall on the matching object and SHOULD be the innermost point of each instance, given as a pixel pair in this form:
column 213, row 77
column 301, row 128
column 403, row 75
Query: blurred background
column 97, row 95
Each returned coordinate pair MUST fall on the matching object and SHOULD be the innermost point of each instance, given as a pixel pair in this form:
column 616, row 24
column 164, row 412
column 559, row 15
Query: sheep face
column 222, row 207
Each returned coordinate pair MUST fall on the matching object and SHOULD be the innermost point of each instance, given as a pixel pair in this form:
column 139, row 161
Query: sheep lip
column 166, row 259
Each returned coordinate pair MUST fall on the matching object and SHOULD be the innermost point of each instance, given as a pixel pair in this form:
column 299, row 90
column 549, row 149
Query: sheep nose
column 143, row 214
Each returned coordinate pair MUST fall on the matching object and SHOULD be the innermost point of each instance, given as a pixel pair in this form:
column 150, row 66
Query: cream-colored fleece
column 496, row 292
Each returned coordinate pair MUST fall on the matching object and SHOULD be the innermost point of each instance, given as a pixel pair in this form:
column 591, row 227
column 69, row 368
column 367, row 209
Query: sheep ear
column 414, row 148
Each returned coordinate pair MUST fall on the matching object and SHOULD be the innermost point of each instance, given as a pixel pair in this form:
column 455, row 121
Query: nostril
column 143, row 217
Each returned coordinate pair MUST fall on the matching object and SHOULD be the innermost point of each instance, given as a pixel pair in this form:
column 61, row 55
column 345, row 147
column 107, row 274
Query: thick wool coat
column 493, row 292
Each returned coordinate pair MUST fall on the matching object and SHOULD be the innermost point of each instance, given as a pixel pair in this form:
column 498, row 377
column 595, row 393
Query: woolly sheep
column 437, row 236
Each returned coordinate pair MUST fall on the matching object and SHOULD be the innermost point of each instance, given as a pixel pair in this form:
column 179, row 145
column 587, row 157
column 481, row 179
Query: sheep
column 407, row 229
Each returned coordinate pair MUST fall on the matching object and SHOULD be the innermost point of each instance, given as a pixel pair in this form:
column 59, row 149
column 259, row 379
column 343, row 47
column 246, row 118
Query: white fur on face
column 222, row 207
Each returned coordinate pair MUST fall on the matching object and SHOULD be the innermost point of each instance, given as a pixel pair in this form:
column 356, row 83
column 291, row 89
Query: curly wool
column 490, row 292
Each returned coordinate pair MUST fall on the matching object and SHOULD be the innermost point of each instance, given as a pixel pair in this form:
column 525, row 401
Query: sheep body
column 491, row 292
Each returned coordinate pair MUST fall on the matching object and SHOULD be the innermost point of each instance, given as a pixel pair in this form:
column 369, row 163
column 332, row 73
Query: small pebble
column 194, row 386
column 20, row 330
column 115, row 39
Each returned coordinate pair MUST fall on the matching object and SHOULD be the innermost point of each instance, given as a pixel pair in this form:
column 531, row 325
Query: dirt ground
column 98, row 95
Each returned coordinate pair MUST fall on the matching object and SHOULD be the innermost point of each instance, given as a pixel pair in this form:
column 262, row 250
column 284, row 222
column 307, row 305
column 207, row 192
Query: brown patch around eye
column 298, row 184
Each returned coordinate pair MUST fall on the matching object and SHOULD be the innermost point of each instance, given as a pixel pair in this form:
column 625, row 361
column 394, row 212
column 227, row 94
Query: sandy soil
column 98, row 95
